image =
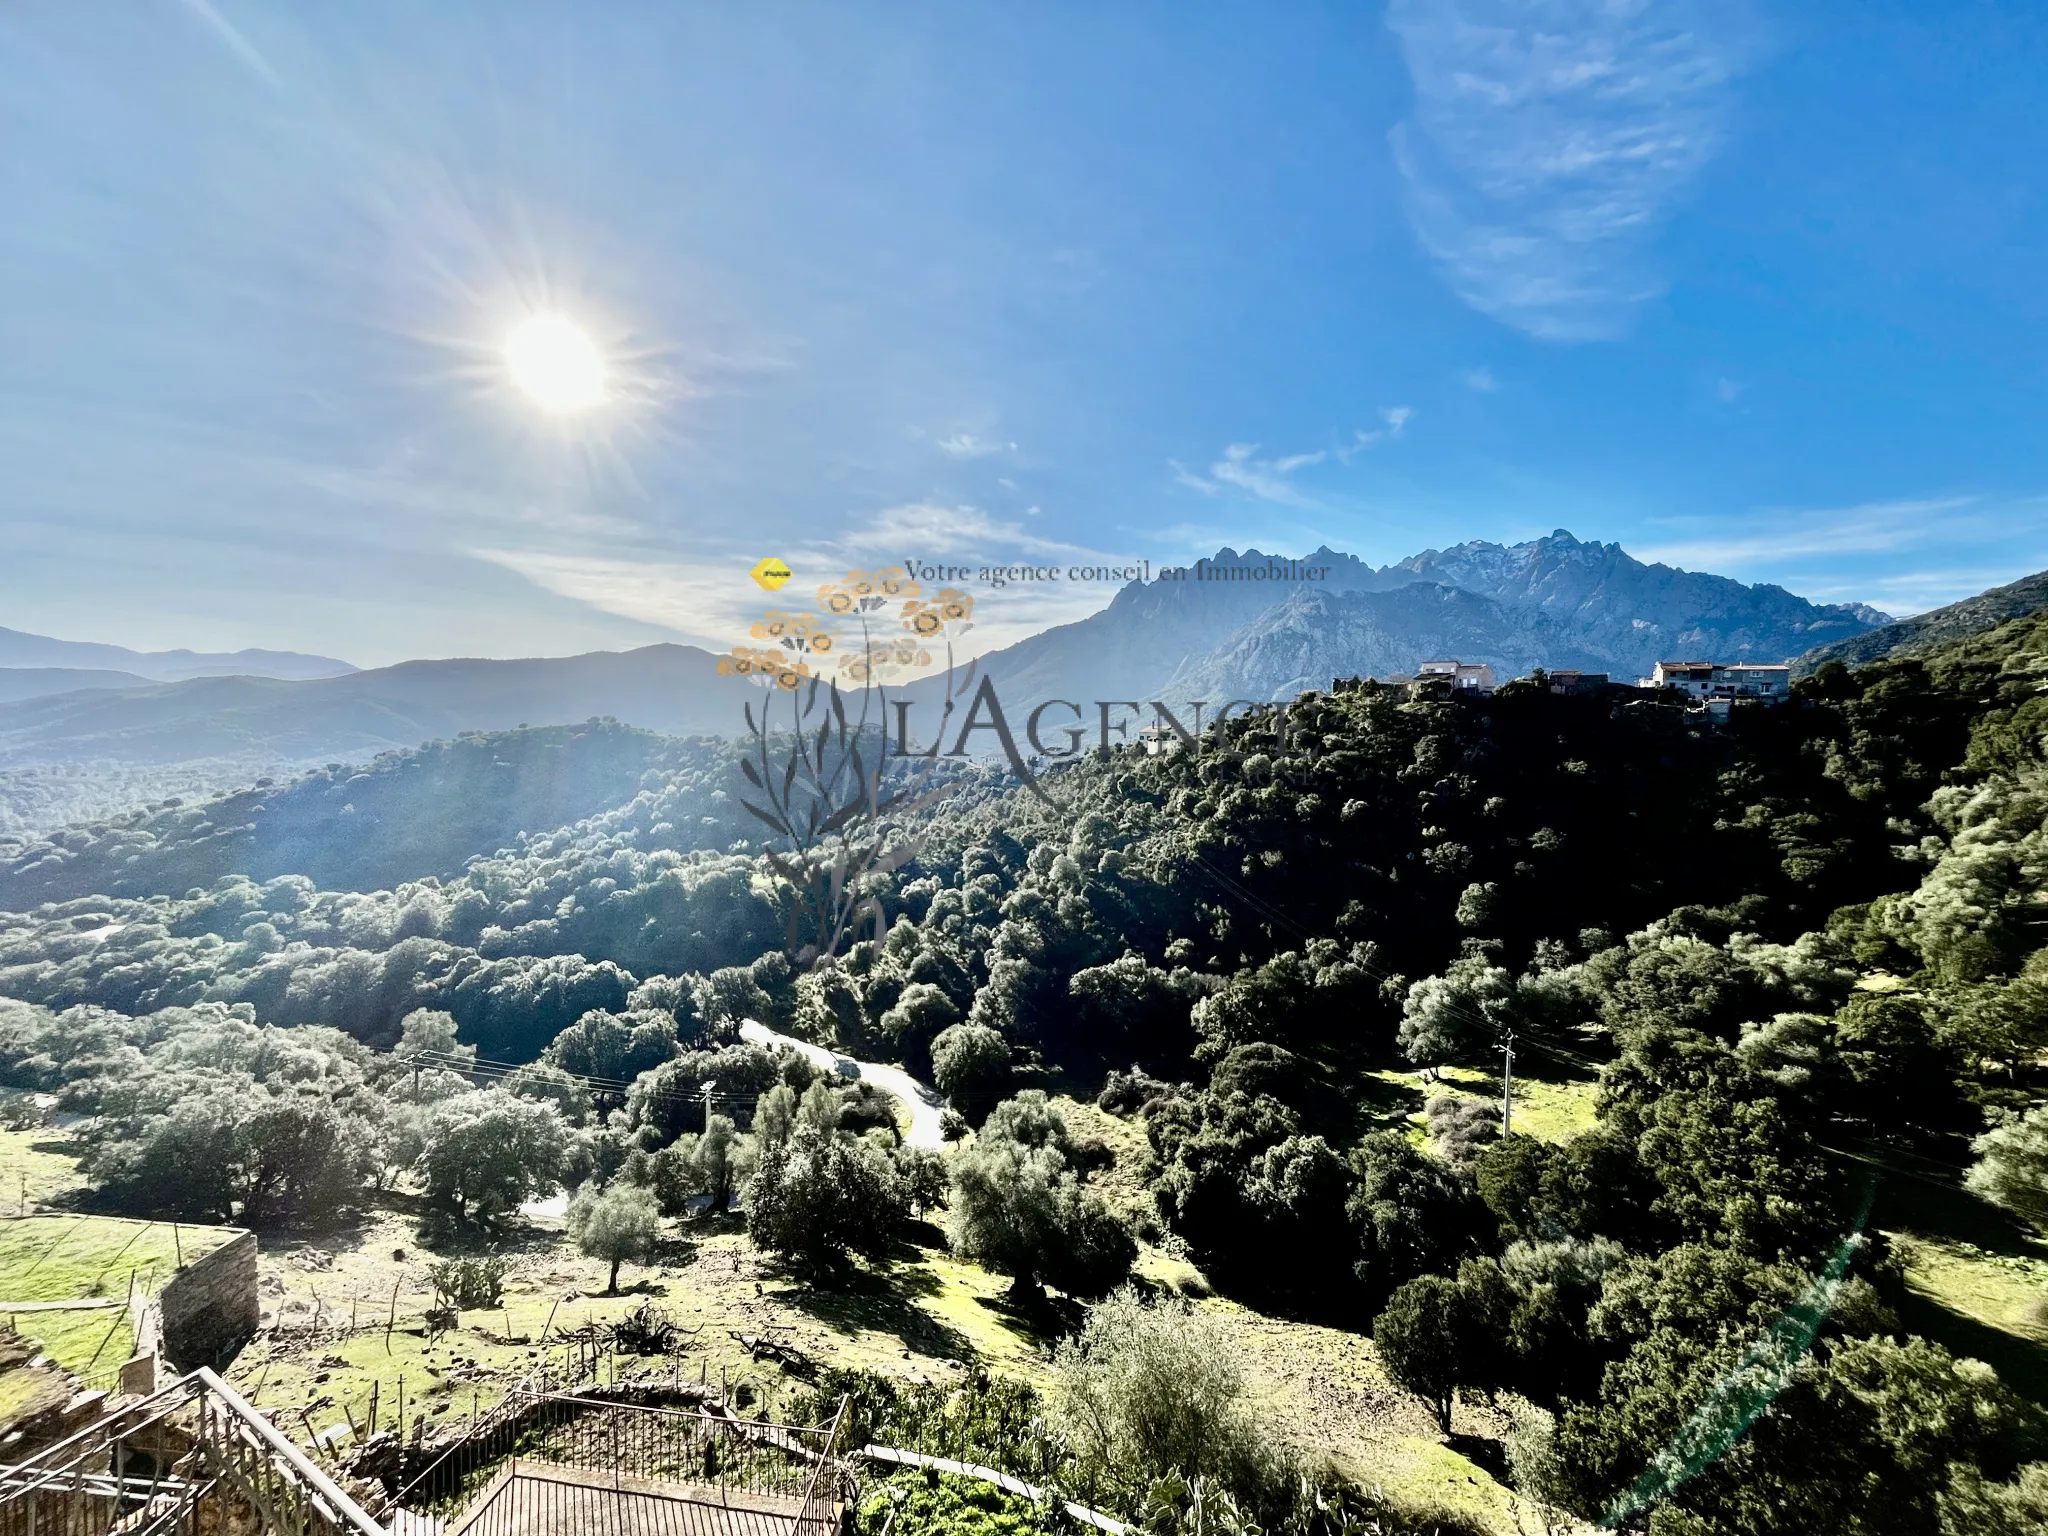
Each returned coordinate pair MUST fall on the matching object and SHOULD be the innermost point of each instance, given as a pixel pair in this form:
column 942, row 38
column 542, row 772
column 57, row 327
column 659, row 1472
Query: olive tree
column 1018, row 1206
column 1150, row 1389
column 616, row 1223
column 2012, row 1165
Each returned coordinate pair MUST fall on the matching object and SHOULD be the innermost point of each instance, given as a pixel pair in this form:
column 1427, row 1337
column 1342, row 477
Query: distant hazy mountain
column 407, row 815
column 38, row 682
column 1552, row 602
column 1923, row 631
column 22, row 650
column 669, row 688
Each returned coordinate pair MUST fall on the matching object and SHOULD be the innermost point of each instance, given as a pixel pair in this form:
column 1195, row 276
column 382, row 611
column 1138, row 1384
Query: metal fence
column 192, row 1458
column 196, row 1460
column 792, row 1469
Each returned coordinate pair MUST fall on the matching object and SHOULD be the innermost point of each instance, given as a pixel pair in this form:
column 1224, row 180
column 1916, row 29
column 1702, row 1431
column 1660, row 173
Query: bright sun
column 553, row 360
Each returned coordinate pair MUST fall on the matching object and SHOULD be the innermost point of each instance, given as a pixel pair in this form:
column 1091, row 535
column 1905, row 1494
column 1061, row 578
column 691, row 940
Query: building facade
column 1465, row 677
column 1723, row 682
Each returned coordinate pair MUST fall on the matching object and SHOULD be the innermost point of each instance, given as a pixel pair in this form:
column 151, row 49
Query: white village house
column 1722, row 682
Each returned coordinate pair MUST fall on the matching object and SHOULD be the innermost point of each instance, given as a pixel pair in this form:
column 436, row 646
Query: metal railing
column 196, row 1460
column 194, row 1457
column 593, row 1433
column 819, row 1513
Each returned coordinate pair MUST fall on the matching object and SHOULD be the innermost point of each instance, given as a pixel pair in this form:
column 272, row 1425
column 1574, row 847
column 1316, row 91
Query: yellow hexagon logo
column 770, row 573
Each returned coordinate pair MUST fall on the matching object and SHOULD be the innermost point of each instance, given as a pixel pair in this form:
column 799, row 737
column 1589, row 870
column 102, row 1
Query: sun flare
column 555, row 362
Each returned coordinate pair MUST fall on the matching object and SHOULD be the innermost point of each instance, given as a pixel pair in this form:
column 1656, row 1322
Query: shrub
column 1147, row 1390
column 471, row 1282
column 2012, row 1165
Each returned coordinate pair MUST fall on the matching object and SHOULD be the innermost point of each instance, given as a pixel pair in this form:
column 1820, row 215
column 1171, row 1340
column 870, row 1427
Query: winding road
column 924, row 1104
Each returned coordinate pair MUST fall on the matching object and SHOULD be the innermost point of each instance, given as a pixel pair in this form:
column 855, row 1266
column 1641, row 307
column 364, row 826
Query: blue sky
column 1755, row 289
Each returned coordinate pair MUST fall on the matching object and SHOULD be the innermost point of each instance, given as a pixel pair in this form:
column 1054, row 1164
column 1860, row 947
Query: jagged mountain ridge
column 1556, row 601
column 1552, row 602
column 1313, row 636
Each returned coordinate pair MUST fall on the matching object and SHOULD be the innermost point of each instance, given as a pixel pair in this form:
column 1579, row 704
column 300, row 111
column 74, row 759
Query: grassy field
column 52, row 1258
column 1977, row 1278
column 1552, row 1106
column 36, row 1168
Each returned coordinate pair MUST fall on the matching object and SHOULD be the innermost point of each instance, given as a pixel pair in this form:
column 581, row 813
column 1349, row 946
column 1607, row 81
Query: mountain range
column 1220, row 633
column 674, row 689
column 1234, row 626
column 22, row 651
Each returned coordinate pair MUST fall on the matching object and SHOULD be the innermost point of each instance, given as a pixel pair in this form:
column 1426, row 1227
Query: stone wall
column 209, row 1309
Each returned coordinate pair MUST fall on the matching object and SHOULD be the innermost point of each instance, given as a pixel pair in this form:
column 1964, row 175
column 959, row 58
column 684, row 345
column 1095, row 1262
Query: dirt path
column 922, row 1102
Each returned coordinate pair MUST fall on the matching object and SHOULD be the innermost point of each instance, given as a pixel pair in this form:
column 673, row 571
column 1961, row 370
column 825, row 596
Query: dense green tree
column 706, row 1164
column 921, row 1013
column 1420, row 1337
column 1019, row 1207
column 971, row 1065
column 1411, row 1214
column 488, row 1152
column 2012, row 1165
column 820, row 1197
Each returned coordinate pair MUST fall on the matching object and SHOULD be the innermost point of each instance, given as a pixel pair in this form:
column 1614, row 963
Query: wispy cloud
column 1782, row 534
column 965, row 445
column 1396, row 418
column 1241, row 468
column 929, row 530
column 1549, row 139
column 1902, row 555
column 1482, row 379
column 237, row 44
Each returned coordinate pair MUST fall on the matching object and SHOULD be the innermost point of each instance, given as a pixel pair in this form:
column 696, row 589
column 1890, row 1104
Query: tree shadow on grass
column 1378, row 1103
column 1936, row 1205
column 882, row 1300
column 1489, row 1455
column 1042, row 1320
column 2021, row 1363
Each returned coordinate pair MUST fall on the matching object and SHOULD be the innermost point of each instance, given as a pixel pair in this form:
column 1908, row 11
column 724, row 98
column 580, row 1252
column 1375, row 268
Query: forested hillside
column 1798, row 954
column 405, row 815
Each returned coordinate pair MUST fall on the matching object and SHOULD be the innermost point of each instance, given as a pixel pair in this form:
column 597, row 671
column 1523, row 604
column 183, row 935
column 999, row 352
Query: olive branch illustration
column 825, row 775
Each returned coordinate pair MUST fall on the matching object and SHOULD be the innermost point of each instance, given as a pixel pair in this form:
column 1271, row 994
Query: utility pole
column 709, row 1085
column 1507, row 1084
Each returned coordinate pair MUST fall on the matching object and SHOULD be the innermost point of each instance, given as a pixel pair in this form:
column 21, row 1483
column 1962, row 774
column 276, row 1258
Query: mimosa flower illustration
column 829, row 788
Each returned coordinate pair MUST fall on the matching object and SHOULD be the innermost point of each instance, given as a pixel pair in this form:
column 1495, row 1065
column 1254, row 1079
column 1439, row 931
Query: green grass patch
column 66, row 1258
column 37, row 1167
column 1549, row 1108
column 73, row 1258
column 84, row 1343
column 1987, row 1305
column 926, row 1503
